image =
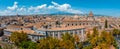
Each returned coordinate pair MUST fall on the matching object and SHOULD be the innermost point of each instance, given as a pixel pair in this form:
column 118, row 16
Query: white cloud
column 42, row 6
column 64, row 7
column 15, row 6
column 7, row 12
column 54, row 3
column 21, row 9
column 37, row 8
column 60, row 7
column 74, row 11
column 40, row 9
column 50, row 7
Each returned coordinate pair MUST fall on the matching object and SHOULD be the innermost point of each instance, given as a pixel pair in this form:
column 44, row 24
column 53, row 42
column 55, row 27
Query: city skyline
column 101, row 7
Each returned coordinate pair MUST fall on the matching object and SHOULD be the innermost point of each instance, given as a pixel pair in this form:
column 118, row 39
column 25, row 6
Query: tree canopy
column 18, row 37
column 99, row 40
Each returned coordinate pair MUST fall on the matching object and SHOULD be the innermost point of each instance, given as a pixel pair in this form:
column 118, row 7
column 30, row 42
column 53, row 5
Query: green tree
column 88, row 47
column 80, row 45
column 103, row 45
column 0, row 47
column 67, row 44
column 43, row 44
column 106, row 24
column 77, row 38
column 94, row 38
column 67, row 36
column 100, row 40
column 53, row 43
column 1, row 32
column 116, row 32
column 95, row 32
column 48, row 43
column 18, row 37
column 28, row 45
column 68, row 41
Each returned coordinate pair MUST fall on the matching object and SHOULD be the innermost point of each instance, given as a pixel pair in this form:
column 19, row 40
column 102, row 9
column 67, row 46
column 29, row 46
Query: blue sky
column 103, row 7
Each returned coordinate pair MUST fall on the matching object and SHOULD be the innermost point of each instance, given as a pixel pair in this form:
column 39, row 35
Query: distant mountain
column 68, row 13
column 62, row 13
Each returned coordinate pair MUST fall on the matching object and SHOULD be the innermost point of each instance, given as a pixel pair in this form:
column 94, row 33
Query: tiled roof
column 27, row 31
column 62, row 28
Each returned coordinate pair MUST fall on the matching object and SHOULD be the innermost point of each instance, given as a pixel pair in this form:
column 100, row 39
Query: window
column 68, row 24
column 76, row 24
column 80, row 24
column 75, row 32
column 72, row 24
column 71, row 33
column 56, row 34
column 83, row 23
column 44, row 33
column 32, row 37
column 39, row 33
column 86, row 23
column 61, row 34
column 50, row 33
column 79, row 31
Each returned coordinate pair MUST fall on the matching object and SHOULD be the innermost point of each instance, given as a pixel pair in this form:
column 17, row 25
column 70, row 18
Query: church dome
column 76, row 16
column 90, row 14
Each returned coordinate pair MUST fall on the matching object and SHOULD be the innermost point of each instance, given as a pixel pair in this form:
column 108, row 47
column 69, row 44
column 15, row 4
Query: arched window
column 76, row 24
column 72, row 24
column 68, row 24
column 83, row 23
column 80, row 24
